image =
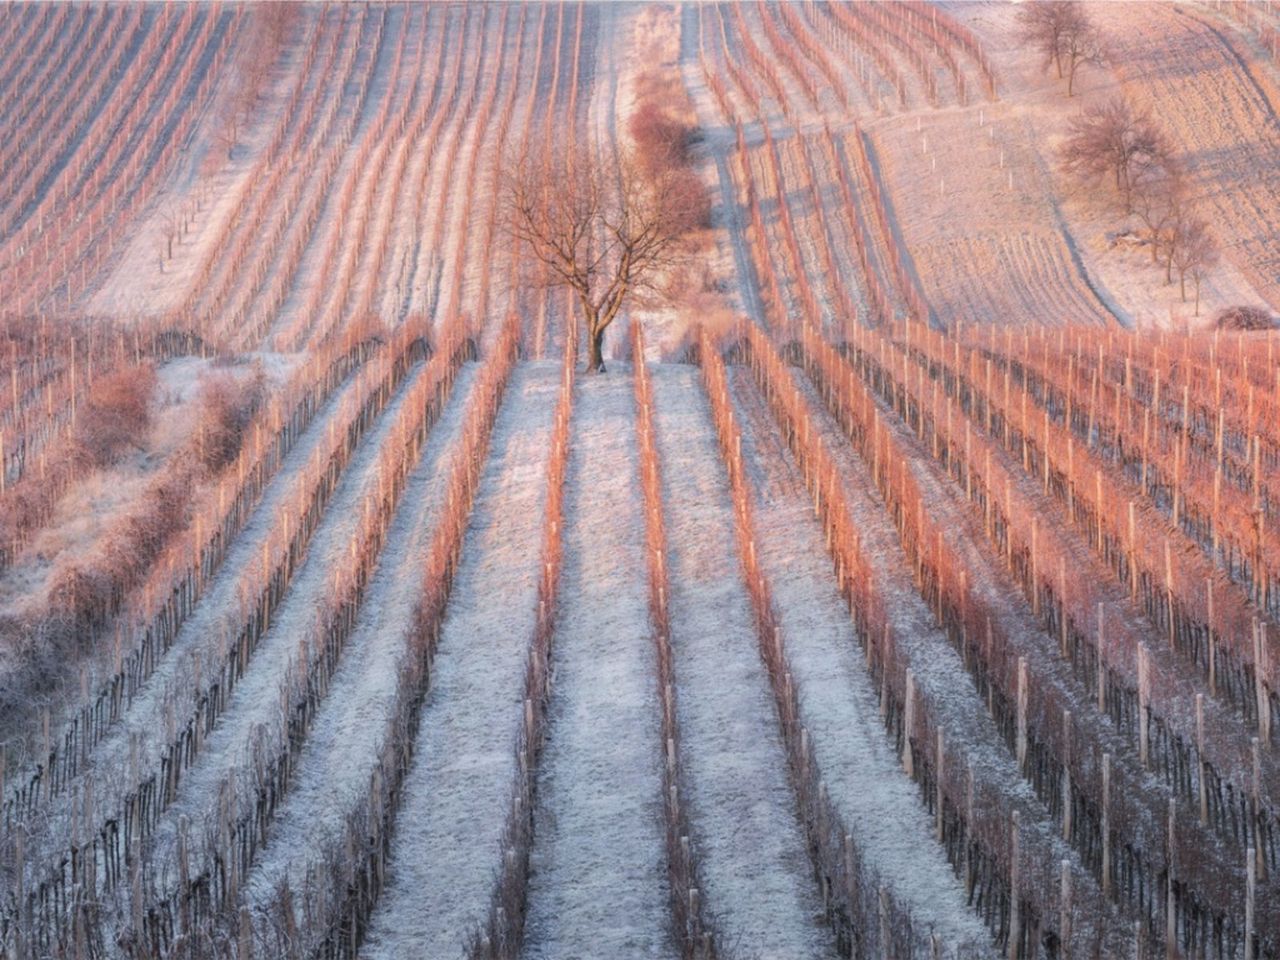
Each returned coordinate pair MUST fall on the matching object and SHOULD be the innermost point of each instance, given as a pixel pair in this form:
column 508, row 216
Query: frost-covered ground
column 758, row 885
column 457, row 790
column 341, row 748
column 599, row 883
column 200, row 636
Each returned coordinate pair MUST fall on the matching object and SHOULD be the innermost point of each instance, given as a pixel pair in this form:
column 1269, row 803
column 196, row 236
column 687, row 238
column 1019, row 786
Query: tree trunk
column 1197, row 296
column 595, row 351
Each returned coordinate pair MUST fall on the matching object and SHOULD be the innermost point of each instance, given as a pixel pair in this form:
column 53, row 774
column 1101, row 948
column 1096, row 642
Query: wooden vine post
column 1066, row 910
column 908, row 718
column 1022, row 716
column 1106, row 825
column 1144, row 701
column 1015, row 894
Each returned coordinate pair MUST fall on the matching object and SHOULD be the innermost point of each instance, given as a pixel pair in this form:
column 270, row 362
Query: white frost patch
column 599, row 881
column 753, row 862
column 342, row 747
column 880, row 806
column 457, row 791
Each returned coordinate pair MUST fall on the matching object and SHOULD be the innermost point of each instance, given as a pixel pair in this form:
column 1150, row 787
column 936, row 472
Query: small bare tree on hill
column 1158, row 193
column 1064, row 35
column 1043, row 25
column 1082, row 45
column 1193, row 253
column 1114, row 139
column 605, row 229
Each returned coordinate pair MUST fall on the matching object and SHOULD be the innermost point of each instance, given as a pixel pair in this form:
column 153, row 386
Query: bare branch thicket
column 607, row 231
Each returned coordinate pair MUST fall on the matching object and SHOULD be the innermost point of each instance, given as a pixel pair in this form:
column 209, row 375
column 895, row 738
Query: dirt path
column 598, row 886
column 456, row 794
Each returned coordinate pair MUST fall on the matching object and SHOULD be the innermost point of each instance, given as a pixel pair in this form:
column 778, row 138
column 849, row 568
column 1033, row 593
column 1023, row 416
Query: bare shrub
column 664, row 129
column 117, row 414
column 660, row 138
column 227, row 406
column 78, row 593
column 1244, row 318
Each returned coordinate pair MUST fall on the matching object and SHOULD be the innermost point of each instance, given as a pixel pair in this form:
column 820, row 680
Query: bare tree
column 229, row 134
column 1063, row 34
column 171, row 218
column 1082, row 43
column 1158, row 193
column 605, row 230
column 1112, row 138
column 1193, row 252
column 1044, row 24
column 1175, row 232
